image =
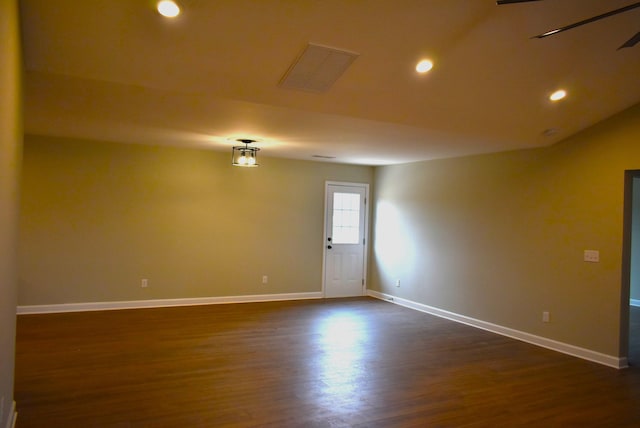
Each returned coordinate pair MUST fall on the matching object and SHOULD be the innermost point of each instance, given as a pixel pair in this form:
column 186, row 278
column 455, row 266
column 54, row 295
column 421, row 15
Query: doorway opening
column 630, row 296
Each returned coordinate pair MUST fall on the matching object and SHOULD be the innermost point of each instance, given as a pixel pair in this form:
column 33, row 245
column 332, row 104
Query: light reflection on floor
column 342, row 346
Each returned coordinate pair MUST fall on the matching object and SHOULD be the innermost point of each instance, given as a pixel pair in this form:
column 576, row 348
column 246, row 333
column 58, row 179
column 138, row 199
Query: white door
column 345, row 239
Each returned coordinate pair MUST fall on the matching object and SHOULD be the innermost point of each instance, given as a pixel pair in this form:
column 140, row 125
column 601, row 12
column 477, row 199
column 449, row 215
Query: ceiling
column 116, row 70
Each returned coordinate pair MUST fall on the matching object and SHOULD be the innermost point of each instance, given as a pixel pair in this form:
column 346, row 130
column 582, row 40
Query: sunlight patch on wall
column 394, row 247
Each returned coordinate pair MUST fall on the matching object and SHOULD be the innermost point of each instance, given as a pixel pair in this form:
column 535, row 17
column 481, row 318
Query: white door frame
column 365, row 260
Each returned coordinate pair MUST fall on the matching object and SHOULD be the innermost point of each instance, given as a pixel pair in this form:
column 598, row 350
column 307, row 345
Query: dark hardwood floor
column 323, row 363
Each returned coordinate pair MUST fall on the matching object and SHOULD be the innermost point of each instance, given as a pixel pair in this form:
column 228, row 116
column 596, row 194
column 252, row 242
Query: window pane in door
column 346, row 218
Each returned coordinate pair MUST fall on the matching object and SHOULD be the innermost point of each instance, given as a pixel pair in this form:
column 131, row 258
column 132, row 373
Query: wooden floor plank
column 322, row 363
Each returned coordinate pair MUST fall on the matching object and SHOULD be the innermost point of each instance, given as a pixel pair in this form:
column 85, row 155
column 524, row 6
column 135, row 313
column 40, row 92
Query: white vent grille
column 317, row 68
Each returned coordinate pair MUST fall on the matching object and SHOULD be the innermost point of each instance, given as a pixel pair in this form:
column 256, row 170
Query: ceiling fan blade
column 631, row 42
column 501, row 2
column 587, row 21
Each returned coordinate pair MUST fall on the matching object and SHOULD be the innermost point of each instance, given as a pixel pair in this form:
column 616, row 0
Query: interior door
column 345, row 239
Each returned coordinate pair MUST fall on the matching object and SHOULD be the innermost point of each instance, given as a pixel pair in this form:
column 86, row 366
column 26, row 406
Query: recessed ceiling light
column 168, row 8
column 424, row 66
column 558, row 95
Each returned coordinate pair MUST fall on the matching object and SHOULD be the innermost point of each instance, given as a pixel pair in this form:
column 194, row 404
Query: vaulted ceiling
column 116, row 70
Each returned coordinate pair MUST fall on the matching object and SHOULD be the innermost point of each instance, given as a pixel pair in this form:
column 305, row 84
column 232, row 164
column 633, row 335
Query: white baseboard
column 586, row 354
column 13, row 416
column 634, row 302
column 160, row 303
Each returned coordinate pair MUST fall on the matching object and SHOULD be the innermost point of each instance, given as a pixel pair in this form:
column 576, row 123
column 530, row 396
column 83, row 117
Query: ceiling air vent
column 317, row 68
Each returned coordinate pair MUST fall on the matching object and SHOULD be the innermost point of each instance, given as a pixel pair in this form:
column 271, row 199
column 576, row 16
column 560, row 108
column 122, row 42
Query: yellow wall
column 10, row 145
column 500, row 237
column 99, row 217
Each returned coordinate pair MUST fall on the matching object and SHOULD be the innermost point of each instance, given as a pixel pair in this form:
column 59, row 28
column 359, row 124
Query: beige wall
column 99, row 217
column 10, row 145
column 500, row 237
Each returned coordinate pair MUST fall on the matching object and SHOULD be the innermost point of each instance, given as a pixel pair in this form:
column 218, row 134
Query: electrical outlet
column 144, row 283
column 397, row 283
column 592, row 256
column 545, row 316
column 265, row 279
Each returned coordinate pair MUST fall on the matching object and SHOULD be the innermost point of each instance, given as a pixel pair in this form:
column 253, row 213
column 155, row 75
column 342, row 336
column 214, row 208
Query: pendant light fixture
column 245, row 155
